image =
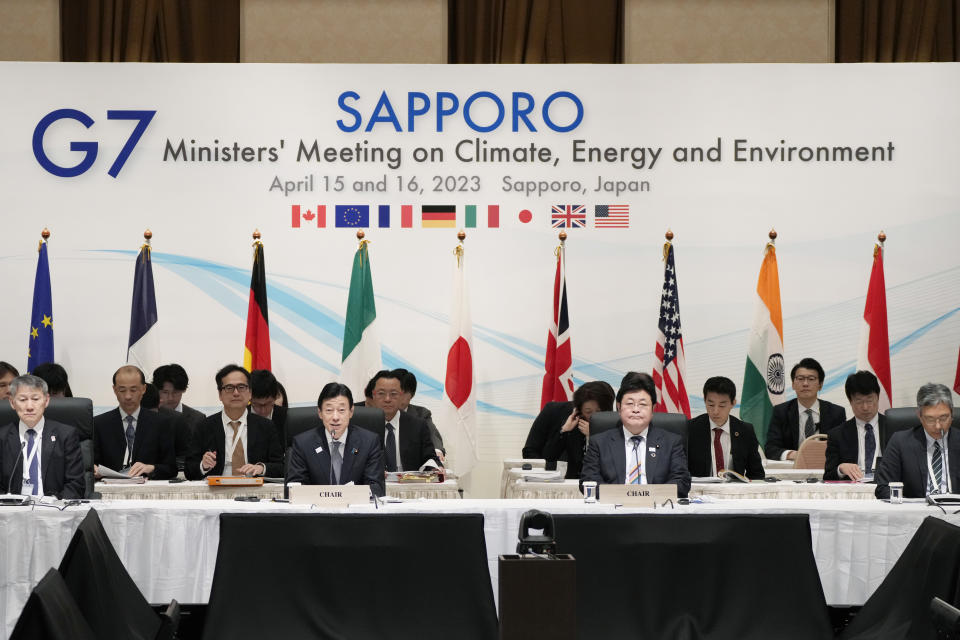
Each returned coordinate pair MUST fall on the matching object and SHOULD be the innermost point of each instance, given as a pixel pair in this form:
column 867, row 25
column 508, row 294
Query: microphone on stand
column 8, row 498
column 946, row 459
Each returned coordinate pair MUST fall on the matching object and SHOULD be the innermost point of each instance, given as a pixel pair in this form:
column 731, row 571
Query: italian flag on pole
column 763, row 379
column 361, row 344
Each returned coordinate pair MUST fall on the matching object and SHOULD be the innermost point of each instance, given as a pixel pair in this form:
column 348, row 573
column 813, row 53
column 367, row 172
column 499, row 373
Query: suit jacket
column 744, row 448
column 193, row 418
column 905, row 460
column 783, row 432
column 153, row 444
column 61, row 464
column 545, row 425
column 606, row 460
column 416, row 447
column 279, row 420
column 843, row 445
column 362, row 459
column 262, row 446
column 424, row 414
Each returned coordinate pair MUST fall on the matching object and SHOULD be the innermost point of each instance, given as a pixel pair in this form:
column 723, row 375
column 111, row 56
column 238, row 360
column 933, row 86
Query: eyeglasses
column 810, row 379
column 938, row 420
column 231, row 388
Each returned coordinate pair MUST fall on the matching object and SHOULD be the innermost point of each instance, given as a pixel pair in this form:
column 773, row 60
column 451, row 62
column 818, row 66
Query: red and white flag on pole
column 558, row 379
column 670, row 368
column 459, row 408
column 874, row 351
column 956, row 381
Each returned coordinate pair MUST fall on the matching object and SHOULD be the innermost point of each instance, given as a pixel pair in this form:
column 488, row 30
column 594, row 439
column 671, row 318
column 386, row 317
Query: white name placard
column 636, row 495
column 329, row 495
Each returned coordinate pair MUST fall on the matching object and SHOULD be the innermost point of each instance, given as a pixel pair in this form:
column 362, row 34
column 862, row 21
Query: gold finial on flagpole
column 666, row 245
column 147, row 235
column 773, row 240
column 772, row 235
column 360, row 235
column 461, row 236
column 882, row 237
column 256, row 235
column 563, row 244
column 45, row 234
column 563, row 237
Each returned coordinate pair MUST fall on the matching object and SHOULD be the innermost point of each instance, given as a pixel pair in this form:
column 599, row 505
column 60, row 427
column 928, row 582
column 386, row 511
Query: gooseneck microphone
column 946, row 459
column 17, row 464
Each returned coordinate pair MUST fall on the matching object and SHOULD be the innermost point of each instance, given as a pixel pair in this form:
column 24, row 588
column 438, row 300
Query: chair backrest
column 901, row 418
column 676, row 423
column 300, row 419
column 812, row 453
column 51, row 613
column 105, row 593
column 371, row 419
column 75, row 412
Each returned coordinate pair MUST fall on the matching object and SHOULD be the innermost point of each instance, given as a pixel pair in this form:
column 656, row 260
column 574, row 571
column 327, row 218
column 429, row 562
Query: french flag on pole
column 142, row 347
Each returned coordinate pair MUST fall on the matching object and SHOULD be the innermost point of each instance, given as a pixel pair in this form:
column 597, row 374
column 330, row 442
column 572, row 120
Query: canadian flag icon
column 318, row 214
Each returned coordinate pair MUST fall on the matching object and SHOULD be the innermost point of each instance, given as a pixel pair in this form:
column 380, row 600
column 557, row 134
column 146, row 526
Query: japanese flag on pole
column 459, row 409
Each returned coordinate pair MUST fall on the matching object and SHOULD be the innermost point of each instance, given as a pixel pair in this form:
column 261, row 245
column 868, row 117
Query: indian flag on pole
column 763, row 379
column 361, row 344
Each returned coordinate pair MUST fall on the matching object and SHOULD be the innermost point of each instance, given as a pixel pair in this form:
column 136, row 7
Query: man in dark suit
column 920, row 458
column 793, row 422
column 408, row 384
column 854, row 446
column 718, row 440
column 7, row 373
column 336, row 452
column 634, row 452
column 263, row 390
column 234, row 442
column 171, row 381
column 132, row 437
column 39, row 456
column 407, row 445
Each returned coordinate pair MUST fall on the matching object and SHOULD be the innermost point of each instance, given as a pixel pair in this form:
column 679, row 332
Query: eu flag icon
column 353, row 215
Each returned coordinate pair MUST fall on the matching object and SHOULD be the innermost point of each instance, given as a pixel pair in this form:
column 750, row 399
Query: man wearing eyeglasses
column 926, row 458
column 407, row 445
column 854, row 446
column 232, row 442
column 634, row 452
column 793, row 422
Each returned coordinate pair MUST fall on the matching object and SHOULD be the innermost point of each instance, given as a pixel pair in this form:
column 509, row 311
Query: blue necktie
column 131, row 434
column 869, row 448
column 34, row 471
column 391, row 451
column 937, row 467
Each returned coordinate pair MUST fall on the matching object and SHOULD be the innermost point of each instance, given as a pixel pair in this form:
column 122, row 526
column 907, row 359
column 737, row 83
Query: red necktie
column 717, row 449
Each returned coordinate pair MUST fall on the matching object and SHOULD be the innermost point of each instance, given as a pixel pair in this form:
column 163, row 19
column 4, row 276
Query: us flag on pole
column 558, row 364
column 670, row 368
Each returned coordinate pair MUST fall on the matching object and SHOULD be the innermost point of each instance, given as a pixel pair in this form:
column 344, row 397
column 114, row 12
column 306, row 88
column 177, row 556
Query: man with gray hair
column 39, row 457
column 926, row 458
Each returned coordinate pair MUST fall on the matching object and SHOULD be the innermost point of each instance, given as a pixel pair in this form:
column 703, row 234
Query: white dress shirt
column 641, row 455
column 861, row 451
column 229, row 443
column 724, row 445
column 37, row 442
column 815, row 408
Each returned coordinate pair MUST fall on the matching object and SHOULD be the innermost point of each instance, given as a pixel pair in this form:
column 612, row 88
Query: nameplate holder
column 332, row 496
column 636, row 495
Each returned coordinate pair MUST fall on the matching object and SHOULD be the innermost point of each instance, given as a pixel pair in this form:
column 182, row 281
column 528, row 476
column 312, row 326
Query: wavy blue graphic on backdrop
column 229, row 286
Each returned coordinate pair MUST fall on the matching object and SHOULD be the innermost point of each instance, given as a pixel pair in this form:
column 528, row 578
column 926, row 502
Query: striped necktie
column 937, row 467
column 634, row 476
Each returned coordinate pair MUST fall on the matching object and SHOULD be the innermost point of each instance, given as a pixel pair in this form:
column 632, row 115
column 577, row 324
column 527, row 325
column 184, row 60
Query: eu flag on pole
column 141, row 347
column 40, row 349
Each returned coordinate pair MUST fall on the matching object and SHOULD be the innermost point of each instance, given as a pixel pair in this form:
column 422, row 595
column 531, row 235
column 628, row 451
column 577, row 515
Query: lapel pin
column 356, row 451
column 318, row 450
column 736, row 434
column 654, row 454
column 53, row 438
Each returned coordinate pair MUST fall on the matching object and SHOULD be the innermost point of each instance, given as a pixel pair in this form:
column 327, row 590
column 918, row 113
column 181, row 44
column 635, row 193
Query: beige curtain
column 150, row 30
column 898, row 31
column 535, row 31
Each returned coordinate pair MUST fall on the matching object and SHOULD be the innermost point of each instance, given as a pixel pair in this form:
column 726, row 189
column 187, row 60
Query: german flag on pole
column 256, row 348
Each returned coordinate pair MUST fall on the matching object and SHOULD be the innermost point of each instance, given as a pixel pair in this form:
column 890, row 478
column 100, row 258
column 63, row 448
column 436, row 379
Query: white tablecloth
column 199, row 490
column 169, row 546
column 785, row 489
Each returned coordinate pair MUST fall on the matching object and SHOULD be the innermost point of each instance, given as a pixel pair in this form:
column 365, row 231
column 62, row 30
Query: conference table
column 200, row 490
column 170, row 546
column 782, row 490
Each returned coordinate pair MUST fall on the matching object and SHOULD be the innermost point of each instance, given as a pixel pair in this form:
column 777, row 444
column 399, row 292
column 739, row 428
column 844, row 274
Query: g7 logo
column 89, row 148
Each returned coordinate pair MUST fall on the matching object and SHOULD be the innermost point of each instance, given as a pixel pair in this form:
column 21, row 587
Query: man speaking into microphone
column 39, row 457
column 336, row 452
